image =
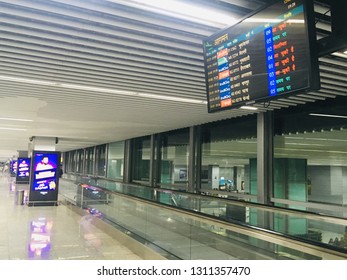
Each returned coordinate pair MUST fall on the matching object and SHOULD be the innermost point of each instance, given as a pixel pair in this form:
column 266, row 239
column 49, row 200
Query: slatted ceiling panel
column 66, row 94
column 57, row 38
column 330, row 61
column 153, row 89
column 337, row 70
column 295, row 101
column 302, row 98
column 104, row 102
column 133, row 61
column 156, row 77
column 139, row 108
column 330, row 78
column 142, row 57
column 342, row 85
column 91, row 16
column 104, row 48
column 114, row 46
column 333, row 93
column 333, row 90
column 140, row 20
column 249, row 5
column 307, row 96
column 334, row 77
column 156, row 90
column 159, row 87
column 332, row 71
column 319, row 95
column 132, row 6
column 166, row 59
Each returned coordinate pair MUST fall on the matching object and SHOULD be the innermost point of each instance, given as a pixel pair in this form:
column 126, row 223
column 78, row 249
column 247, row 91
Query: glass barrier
column 156, row 216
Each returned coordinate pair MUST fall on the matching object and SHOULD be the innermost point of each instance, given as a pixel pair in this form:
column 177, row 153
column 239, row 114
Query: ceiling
column 96, row 71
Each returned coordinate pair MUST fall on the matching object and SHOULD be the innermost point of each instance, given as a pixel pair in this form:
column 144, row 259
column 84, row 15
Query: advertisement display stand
column 23, row 170
column 13, row 168
column 44, row 178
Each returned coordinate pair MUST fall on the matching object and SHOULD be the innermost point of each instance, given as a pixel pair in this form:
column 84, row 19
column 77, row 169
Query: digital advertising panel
column 13, row 168
column 44, row 178
column 268, row 54
column 23, row 170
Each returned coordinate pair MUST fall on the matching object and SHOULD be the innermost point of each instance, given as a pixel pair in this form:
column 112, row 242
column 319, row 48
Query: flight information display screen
column 265, row 56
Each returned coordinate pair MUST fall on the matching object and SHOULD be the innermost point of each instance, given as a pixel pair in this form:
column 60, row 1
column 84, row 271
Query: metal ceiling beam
column 338, row 39
column 332, row 44
column 338, row 17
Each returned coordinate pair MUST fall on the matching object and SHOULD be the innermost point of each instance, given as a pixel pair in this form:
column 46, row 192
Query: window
column 229, row 152
column 89, row 160
column 141, row 159
column 80, row 161
column 115, row 160
column 174, row 150
column 311, row 156
column 100, row 160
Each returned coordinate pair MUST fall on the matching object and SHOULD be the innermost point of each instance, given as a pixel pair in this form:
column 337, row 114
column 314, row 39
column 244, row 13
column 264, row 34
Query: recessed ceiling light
column 249, row 108
column 12, row 128
column 14, row 119
column 340, row 54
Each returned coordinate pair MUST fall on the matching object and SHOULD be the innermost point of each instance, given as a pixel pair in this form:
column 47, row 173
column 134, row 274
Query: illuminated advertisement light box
column 23, row 170
column 268, row 54
column 44, row 178
column 13, row 167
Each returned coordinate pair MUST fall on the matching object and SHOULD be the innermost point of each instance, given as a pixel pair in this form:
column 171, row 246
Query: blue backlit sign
column 44, row 178
column 45, row 171
column 23, row 169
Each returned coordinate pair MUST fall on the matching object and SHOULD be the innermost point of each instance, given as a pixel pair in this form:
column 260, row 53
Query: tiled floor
column 51, row 232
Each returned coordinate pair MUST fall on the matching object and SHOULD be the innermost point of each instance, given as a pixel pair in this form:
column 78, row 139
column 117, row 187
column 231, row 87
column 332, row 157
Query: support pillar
column 265, row 151
column 40, row 143
column 265, row 157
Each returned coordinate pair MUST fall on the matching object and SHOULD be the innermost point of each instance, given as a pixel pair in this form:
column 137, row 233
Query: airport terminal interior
column 178, row 130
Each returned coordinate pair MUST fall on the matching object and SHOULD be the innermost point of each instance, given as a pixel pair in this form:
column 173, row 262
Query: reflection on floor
column 51, row 232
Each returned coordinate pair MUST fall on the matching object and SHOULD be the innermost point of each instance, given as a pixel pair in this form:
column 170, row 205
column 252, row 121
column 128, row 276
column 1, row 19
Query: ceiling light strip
column 15, row 119
column 12, row 128
column 328, row 116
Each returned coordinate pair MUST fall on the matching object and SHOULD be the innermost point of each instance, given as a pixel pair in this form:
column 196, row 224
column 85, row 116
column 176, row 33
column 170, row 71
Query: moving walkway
column 187, row 226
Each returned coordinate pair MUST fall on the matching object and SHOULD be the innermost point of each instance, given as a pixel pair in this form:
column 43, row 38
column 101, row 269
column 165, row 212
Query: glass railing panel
column 166, row 231
column 184, row 236
column 291, row 223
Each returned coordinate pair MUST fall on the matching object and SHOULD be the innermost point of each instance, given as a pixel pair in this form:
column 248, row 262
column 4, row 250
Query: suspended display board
column 267, row 55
